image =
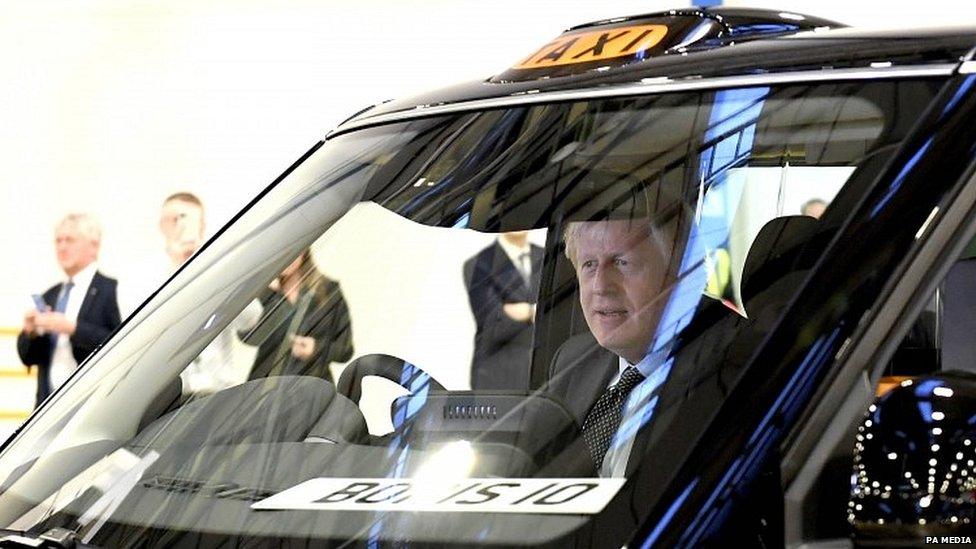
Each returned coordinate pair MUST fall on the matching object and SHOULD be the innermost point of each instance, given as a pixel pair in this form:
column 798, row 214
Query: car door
column 818, row 366
column 816, row 464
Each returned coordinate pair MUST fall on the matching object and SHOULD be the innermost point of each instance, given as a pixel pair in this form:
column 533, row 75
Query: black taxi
column 693, row 278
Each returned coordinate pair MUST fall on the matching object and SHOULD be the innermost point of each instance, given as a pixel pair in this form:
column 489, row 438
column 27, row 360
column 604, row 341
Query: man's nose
column 180, row 229
column 604, row 280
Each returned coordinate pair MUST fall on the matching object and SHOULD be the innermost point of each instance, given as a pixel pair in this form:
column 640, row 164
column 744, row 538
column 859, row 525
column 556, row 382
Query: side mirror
column 915, row 463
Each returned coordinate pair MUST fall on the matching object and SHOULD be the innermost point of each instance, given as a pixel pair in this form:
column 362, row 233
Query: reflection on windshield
column 305, row 324
column 502, row 281
column 522, row 306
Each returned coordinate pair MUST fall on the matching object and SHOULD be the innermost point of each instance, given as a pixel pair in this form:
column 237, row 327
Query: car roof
column 742, row 43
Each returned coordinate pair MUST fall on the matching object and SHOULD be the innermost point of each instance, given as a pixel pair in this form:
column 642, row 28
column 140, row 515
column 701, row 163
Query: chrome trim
column 648, row 87
column 971, row 55
column 968, row 65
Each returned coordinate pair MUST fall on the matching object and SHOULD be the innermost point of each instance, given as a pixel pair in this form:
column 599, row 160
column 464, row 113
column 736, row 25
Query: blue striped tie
column 60, row 307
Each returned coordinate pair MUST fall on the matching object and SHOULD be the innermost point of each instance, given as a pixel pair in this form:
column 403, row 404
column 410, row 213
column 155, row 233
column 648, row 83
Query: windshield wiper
column 55, row 538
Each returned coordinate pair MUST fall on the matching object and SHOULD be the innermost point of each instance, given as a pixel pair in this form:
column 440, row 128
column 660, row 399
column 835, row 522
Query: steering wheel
column 408, row 376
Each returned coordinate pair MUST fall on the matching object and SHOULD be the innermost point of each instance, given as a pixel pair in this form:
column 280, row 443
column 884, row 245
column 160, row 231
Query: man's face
column 182, row 225
column 516, row 237
column 75, row 251
column 621, row 275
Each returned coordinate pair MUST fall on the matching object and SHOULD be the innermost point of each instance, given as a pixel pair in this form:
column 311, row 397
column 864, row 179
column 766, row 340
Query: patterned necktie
column 602, row 421
column 59, row 307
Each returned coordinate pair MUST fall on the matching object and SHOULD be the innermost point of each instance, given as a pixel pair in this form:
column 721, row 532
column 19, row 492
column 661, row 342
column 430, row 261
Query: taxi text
column 595, row 45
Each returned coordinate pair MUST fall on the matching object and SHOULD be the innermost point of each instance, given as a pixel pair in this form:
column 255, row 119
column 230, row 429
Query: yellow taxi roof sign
column 595, row 45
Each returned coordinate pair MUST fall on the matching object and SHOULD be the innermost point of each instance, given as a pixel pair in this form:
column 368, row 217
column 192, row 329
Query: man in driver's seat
column 613, row 386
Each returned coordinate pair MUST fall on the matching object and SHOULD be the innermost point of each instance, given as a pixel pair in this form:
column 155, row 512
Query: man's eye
column 620, row 262
column 588, row 265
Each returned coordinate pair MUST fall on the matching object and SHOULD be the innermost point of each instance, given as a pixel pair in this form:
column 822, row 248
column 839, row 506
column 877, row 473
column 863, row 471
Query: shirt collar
column 512, row 251
column 647, row 365
column 84, row 277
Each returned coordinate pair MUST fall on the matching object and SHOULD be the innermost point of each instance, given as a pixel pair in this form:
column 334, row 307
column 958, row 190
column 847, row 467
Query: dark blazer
column 97, row 319
column 325, row 318
column 502, row 346
column 580, row 372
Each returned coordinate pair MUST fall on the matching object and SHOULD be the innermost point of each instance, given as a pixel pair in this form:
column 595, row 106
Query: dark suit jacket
column 580, row 372
column 326, row 318
column 97, row 319
column 502, row 346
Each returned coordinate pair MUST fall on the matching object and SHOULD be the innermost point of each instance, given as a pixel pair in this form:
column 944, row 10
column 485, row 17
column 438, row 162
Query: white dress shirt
column 63, row 362
column 520, row 256
column 637, row 410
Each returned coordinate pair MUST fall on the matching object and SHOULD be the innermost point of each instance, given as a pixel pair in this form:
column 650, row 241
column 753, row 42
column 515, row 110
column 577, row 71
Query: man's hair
column 661, row 234
column 811, row 202
column 185, row 197
column 573, row 229
column 607, row 196
column 86, row 224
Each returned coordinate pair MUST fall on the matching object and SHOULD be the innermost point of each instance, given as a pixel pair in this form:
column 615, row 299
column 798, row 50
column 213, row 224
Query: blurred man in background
column 502, row 281
column 814, row 207
column 73, row 317
column 182, row 223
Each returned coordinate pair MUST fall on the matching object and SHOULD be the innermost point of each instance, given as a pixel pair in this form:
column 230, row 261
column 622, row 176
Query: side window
column 941, row 339
column 958, row 314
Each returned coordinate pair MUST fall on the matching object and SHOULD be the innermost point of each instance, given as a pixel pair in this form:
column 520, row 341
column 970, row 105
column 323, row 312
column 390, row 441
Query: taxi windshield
column 488, row 327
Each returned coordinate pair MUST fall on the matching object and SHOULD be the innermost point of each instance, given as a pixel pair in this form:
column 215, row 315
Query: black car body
column 718, row 123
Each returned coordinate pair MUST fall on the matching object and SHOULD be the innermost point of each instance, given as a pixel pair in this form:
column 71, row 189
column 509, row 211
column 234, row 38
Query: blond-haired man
column 613, row 378
column 75, row 315
column 182, row 223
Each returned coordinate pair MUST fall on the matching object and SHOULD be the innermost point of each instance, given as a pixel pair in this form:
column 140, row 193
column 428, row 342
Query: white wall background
column 108, row 107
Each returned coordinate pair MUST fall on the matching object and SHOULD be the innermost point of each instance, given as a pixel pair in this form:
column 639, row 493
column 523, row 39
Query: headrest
column 775, row 254
column 341, row 421
column 271, row 409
